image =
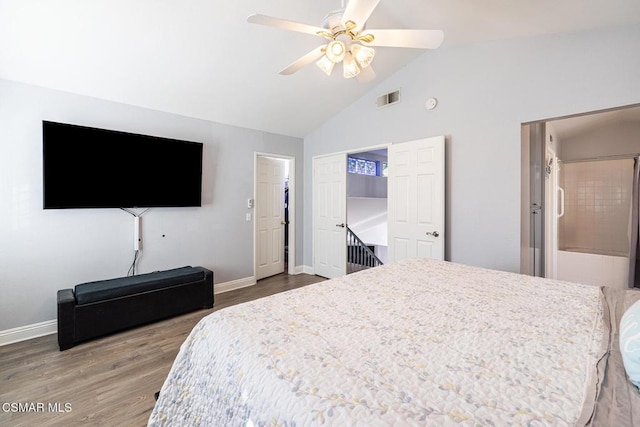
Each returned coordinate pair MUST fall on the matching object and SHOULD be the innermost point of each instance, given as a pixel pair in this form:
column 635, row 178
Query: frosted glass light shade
column 325, row 64
column 350, row 68
column 336, row 51
column 362, row 54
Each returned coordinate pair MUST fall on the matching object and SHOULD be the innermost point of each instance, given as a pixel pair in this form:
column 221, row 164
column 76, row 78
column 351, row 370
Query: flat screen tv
column 85, row 167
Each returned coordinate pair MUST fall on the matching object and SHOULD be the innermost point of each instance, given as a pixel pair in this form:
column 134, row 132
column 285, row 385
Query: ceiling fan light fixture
column 336, row 51
column 325, row 64
column 350, row 67
column 363, row 55
column 349, row 39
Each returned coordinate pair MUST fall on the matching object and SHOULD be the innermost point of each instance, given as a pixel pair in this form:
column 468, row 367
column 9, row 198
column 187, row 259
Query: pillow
column 630, row 342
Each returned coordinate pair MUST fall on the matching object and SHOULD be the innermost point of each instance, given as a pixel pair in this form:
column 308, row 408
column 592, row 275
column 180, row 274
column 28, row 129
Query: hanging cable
column 132, row 268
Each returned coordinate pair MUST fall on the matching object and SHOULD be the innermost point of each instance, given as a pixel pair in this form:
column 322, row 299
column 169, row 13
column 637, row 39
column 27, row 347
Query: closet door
column 416, row 199
column 330, row 215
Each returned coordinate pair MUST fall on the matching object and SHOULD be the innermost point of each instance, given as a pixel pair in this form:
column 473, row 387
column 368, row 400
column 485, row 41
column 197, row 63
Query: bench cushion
column 86, row 293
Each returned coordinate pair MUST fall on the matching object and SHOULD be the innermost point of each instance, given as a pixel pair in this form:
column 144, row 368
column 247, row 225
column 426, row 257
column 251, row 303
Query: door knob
column 341, row 225
column 434, row 234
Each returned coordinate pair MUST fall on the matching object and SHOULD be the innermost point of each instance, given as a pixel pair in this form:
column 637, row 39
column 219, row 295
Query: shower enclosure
column 580, row 197
column 593, row 199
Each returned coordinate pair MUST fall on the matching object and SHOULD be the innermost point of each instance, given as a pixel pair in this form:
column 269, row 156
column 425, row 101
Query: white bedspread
column 420, row 342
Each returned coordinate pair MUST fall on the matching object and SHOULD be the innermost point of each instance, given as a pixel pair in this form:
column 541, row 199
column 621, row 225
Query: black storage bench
column 99, row 308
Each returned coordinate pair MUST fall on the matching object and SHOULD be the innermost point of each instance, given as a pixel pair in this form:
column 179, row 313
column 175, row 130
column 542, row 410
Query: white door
column 416, row 199
column 269, row 217
column 330, row 215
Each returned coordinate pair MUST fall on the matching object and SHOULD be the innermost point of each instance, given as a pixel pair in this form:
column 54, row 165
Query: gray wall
column 366, row 186
column 485, row 92
column 43, row 251
column 607, row 140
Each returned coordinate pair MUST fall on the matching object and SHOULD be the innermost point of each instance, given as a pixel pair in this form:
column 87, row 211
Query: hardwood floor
column 108, row 381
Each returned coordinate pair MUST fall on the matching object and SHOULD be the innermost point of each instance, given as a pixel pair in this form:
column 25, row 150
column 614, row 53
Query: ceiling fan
column 349, row 40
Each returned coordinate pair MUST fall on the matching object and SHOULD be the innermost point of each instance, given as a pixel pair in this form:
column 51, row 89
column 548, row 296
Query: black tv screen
column 85, row 167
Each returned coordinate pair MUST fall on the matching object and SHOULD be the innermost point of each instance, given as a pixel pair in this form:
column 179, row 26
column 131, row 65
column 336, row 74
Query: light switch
column 249, row 204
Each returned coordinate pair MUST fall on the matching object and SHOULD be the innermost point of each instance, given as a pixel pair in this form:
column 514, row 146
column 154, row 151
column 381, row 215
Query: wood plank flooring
column 108, row 381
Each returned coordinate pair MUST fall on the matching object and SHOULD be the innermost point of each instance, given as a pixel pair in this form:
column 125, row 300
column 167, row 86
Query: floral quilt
column 419, row 342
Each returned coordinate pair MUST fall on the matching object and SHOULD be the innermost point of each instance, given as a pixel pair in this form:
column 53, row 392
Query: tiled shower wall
column 597, row 207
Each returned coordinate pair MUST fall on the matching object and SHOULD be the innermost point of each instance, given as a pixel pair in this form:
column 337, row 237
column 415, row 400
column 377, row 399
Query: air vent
column 388, row 99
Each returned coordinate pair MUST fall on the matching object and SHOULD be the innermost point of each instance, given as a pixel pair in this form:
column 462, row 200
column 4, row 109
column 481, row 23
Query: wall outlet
column 248, row 216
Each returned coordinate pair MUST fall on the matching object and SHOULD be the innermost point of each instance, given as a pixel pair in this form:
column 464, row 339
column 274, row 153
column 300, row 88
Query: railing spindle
column 359, row 255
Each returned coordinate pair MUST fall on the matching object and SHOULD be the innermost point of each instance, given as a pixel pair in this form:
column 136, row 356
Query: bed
column 419, row 342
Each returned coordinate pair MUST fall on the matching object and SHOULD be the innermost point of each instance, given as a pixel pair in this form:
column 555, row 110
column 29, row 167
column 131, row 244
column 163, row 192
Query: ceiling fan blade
column 307, row 59
column 284, row 24
column 366, row 75
column 358, row 11
column 418, row 39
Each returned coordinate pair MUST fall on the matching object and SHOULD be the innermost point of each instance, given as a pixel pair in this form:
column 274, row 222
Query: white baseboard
column 232, row 285
column 49, row 327
column 28, row 332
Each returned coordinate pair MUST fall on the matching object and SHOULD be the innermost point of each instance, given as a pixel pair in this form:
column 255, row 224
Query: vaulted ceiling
column 200, row 58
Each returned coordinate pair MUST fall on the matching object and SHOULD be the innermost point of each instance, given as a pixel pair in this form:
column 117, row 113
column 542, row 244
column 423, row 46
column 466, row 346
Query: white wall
column 367, row 217
column 485, row 92
column 42, row 251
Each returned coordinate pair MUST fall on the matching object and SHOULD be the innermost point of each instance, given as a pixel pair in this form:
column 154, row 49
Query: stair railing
column 359, row 255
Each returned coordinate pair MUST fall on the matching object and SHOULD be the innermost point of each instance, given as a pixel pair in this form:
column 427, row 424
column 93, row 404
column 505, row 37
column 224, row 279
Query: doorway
column 367, row 209
column 415, row 204
column 576, row 185
column 274, row 215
